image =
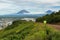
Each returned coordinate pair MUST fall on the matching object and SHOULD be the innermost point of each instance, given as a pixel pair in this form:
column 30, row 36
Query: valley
column 4, row 22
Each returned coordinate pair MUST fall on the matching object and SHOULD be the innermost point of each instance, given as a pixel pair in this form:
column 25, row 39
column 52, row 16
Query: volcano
column 49, row 11
column 23, row 11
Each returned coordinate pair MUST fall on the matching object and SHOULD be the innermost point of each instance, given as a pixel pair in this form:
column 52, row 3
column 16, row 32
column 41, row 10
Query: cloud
column 55, row 7
column 34, row 6
column 3, row 5
column 6, row 8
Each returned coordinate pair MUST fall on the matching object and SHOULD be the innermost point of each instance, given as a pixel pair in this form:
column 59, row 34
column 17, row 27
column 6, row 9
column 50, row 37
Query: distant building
column 29, row 19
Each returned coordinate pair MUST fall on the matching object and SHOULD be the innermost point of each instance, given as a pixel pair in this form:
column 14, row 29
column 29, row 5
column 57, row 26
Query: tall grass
column 22, row 30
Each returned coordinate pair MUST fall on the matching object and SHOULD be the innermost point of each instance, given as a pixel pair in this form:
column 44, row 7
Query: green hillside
column 54, row 17
column 22, row 30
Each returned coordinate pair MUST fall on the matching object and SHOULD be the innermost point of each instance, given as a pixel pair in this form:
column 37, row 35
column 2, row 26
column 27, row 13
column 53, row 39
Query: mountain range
column 25, row 14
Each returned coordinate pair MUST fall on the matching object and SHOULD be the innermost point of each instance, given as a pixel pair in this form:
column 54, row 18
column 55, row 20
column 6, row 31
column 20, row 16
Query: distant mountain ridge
column 23, row 11
column 23, row 14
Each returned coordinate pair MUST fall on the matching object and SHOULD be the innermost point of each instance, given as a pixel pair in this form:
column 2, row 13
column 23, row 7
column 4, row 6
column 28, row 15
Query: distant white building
column 29, row 19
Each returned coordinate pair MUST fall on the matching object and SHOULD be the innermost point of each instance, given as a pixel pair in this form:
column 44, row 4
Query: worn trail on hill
column 55, row 26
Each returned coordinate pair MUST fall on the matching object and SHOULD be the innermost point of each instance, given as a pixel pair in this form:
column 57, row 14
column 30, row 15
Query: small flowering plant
column 45, row 22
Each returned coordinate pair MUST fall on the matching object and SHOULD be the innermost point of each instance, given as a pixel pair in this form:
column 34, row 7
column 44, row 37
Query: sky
column 33, row 6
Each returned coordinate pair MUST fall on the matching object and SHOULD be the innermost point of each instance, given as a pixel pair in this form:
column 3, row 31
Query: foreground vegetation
column 22, row 30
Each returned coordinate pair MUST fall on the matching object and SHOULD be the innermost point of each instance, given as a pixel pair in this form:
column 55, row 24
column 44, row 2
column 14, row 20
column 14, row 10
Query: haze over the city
column 33, row 6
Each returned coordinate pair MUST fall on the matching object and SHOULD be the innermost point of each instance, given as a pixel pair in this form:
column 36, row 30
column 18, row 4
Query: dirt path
column 55, row 26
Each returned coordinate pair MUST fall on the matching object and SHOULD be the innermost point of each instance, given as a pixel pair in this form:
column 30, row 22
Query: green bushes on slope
column 51, row 18
column 28, row 31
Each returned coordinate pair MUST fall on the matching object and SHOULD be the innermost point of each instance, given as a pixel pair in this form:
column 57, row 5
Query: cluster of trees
column 54, row 17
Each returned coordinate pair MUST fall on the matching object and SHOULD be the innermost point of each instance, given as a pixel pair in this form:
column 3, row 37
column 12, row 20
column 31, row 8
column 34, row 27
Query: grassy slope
column 29, row 31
